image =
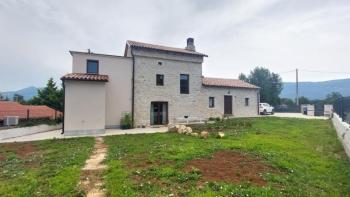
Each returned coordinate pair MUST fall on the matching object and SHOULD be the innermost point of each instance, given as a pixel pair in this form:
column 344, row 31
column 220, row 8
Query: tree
column 51, row 96
column 332, row 97
column 18, row 98
column 287, row 101
column 269, row 82
column 304, row 100
column 1, row 97
column 243, row 77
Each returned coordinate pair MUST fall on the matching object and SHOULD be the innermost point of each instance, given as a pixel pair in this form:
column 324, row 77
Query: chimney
column 190, row 44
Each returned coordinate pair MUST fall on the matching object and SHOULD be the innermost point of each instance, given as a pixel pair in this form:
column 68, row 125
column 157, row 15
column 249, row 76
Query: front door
column 159, row 113
column 228, row 105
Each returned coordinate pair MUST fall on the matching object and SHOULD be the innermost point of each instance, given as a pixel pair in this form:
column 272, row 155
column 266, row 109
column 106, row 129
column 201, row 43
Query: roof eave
column 222, row 86
column 68, row 79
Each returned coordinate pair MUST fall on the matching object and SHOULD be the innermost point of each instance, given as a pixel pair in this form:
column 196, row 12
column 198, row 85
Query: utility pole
column 297, row 87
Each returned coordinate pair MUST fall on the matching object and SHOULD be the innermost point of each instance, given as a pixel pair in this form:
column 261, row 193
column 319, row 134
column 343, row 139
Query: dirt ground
column 91, row 179
column 231, row 167
column 22, row 150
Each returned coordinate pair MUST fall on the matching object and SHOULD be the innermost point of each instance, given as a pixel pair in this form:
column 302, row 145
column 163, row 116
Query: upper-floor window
column 211, row 102
column 184, row 84
column 246, row 101
column 92, row 66
column 159, row 80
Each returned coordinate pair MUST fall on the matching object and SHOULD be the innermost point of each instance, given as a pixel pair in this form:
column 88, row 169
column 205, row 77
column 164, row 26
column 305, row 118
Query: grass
column 306, row 154
column 43, row 168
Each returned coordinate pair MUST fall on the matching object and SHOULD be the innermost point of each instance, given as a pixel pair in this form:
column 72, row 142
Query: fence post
column 341, row 108
column 27, row 114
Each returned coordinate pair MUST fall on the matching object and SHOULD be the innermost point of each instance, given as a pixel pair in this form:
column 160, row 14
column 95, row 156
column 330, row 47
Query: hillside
column 316, row 90
column 27, row 93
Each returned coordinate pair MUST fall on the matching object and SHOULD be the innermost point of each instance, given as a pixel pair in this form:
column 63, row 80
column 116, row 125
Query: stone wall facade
column 146, row 90
column 239, row 109
column 195, row 104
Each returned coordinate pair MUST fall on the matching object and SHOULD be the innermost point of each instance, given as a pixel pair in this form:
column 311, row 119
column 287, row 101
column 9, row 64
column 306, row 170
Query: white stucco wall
column 119, row 86
column 84, row 107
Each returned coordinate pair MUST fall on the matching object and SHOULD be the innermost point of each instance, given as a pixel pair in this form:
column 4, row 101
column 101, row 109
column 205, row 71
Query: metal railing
column 342, row 108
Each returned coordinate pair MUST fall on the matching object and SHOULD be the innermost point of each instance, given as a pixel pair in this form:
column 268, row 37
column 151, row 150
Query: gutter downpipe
column 64, row 98
column 133, row 87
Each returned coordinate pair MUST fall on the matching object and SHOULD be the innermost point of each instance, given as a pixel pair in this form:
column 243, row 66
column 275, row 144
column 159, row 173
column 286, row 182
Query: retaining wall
column 17, row 132
column 343, row 132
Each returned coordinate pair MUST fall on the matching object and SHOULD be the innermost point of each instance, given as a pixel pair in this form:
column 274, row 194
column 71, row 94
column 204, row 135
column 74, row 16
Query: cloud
column 237, row 35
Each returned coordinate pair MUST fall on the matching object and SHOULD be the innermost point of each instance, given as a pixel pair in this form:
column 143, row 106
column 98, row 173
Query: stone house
column 156, row 84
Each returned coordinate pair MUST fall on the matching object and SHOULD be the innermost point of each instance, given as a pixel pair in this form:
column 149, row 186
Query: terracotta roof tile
column 10, row 108
column 85, row 77
column 220, row 82
column 163, row 48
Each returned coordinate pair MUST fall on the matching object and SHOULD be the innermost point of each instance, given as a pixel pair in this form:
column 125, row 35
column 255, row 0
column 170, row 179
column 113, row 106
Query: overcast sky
column 36, row 35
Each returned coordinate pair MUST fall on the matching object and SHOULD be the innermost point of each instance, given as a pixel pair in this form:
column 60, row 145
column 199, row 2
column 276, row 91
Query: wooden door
column 228, row 105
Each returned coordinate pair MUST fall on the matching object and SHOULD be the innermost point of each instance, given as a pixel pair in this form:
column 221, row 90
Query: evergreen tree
column 51, row 96
column 269, row 82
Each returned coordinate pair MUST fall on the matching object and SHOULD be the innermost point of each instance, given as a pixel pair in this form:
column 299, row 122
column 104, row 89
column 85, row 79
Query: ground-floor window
column 211, row 102
column 246, row 101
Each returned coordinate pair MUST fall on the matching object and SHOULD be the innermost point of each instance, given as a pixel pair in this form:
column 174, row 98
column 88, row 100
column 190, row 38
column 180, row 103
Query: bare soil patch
column 231, row 167
column 2, row 158
column 22, row 150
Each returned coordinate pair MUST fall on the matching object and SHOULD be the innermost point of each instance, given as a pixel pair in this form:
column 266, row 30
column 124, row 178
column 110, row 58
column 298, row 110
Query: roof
column 85, row 77
column 162, row 48
column 11, row 108
column 233, row 83
column 98, row 54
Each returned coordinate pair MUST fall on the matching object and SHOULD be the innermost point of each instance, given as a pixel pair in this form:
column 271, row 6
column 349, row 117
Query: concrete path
column 91, row 180
column 298, row 115
column 56, row 134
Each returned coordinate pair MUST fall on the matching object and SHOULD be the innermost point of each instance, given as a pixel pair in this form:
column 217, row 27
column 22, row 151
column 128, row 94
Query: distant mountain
column 27, row 93
column 316, row 90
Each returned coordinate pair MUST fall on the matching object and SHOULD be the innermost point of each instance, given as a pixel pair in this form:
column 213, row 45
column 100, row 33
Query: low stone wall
column 343, row 132
column 17, row 132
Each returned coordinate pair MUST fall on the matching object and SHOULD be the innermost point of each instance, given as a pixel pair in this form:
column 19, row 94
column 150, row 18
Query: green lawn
column 293, row 157
column 305, row 157
column 44, row 168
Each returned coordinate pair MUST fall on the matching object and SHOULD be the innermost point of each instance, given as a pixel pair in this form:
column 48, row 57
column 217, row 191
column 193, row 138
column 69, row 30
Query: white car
column 265, row 108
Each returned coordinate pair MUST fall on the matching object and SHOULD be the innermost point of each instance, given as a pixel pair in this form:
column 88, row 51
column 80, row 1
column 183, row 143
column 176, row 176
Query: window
column 211, row 102
column 184, row 84
column 92, row 67
column 246, row 101
column 160, row 80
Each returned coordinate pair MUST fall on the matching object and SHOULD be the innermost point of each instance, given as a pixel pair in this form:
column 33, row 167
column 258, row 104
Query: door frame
column 231, row 110
column 167, row 111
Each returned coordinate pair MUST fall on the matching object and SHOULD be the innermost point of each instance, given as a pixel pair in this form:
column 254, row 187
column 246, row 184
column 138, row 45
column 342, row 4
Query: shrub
column 126, row 122
column 214, row 119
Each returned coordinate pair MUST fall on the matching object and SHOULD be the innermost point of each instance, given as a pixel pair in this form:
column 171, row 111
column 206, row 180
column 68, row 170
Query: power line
column 289, row 71
column 326, row 72
column 315, row 71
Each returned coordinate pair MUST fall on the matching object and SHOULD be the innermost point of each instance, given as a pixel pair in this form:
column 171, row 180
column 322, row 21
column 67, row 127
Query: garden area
column 256, row 157
column 266, row 156
column 43, row 168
